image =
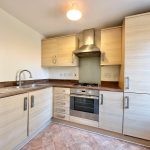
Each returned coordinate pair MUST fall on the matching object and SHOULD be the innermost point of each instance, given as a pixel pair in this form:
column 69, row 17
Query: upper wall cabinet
column 137, row 53
column 58, row 51
column 111, row 46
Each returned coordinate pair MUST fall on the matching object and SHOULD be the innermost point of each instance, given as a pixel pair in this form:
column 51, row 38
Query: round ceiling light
column 74, row 13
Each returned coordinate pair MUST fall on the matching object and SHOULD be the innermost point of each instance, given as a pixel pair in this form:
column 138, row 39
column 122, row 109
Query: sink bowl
column 7, row 90
column 30, row 86
column 17, row 88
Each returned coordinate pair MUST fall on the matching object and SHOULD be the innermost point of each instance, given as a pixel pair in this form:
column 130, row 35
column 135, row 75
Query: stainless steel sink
column 17, row 88
column 7, row 90
column 30, row 86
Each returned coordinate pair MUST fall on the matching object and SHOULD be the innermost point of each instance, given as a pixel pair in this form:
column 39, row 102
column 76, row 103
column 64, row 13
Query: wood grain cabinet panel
column 58, row 51
column 111, row 40
column 61, row 103
column 111, row 111
column 13, row 120
column 137, row 53
column 40, row 109
column 137, row 115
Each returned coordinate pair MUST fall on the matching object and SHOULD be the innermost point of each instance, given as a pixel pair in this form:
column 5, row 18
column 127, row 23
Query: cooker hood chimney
column 89, row 48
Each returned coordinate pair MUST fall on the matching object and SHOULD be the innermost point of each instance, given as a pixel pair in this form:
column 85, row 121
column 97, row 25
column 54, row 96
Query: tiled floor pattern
column 61, row 137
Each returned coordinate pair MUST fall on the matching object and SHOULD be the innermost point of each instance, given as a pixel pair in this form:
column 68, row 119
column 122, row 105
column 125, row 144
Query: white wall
column 20, row 48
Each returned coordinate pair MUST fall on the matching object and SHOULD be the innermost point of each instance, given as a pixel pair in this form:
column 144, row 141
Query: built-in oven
column 84, row 104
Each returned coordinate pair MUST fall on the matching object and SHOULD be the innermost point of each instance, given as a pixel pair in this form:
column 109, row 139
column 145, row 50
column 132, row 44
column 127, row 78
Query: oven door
column 84, row 107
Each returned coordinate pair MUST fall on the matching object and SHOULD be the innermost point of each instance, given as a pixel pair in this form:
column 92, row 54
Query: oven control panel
column 85, row 92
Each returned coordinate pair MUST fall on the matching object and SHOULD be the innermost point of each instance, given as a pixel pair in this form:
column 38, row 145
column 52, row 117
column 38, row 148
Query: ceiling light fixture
column 74, row 13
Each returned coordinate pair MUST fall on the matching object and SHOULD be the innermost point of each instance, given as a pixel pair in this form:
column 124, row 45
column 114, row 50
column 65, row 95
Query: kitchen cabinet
column 13, row 120
column 22, row 115
column 111, row 46
column 111, row 111
column 40, row 109
column 137, row 115
column 58, row 51
column 61, row 103
column 137, row 53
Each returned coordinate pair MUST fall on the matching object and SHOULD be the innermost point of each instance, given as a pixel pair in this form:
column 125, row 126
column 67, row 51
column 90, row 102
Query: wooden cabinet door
column 66, row 46
column 137, row 53
column 49, row 52
column 58, row 51
column 137, row 115
column 40, row 109
column 13, row 121
column 111, row 111
column 111, row 46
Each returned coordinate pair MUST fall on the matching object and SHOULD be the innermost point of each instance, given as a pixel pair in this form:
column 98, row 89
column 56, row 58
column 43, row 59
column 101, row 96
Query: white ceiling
column 48, row 16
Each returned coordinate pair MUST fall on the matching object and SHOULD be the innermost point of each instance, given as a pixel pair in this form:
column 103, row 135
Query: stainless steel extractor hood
column 89, row 48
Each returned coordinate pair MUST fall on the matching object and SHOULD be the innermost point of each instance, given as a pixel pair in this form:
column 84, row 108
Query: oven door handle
column 84, row 96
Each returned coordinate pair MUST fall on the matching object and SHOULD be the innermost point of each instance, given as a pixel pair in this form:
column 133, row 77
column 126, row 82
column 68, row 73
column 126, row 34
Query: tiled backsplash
column 71, row 73
column 110, row 73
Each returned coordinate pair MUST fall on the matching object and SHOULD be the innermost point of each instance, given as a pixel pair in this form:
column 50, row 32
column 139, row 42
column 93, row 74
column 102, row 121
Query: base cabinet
column 40, row 109
column 23, row 114
column 137, row 115
column 61, row 103
column 111, row 111
column 13, row 121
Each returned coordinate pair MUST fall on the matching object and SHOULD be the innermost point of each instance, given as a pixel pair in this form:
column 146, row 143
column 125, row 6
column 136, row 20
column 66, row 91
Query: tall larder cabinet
column 137, row 76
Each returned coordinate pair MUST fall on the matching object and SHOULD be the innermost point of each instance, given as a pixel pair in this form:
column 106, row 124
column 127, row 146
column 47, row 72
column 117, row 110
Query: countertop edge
column 22, row 91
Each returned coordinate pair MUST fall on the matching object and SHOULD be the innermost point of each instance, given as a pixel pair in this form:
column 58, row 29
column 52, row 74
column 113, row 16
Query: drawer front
column 61, row 104
column 58, row 90
column 61, row 116
column 61, row 97
column 62, row 110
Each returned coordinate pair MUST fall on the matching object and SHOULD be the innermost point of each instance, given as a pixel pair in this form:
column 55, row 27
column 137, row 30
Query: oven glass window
column 84, row 104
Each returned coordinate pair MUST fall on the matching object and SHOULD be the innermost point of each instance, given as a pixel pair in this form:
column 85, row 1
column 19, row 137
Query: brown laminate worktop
column 21, row 90
column 54, row 83
column 117, row 89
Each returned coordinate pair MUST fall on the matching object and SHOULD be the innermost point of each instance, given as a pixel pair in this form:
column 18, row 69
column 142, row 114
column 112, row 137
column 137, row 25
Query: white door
column 40, row 109
column 13, row 121
column 111, row 111
column 137, row 54
column 137, row 115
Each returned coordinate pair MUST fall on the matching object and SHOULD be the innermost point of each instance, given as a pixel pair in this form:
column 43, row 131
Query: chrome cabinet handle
column 127, row 83
column 126, row 102
column 32, row 101
column 54, row 59
column 72, row 58
column 102, row 99
column 103, row 56
column 25, row 103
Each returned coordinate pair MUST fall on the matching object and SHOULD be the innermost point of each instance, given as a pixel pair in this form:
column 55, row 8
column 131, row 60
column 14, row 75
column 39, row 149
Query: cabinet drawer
column 61, row 104
column 61, row 110
column 58, row 90
column 61, row 97
column 61, row 116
